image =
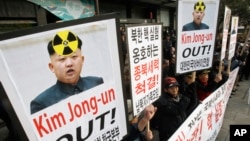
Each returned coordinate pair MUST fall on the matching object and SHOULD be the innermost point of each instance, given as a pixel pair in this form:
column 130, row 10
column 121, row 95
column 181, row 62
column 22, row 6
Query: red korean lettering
column 151, row 66
column 137, row 72
column 140, row 87
column 219, row 111
column 196, row 135
column 210, row 121
column 156, row 64
column 152, row 81
column 144, row 69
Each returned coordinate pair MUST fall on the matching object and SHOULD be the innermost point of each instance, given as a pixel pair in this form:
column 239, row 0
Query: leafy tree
column 240, row 8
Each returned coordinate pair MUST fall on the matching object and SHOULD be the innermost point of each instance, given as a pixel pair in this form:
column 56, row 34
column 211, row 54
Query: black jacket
column 170, row 115
column 190, row 92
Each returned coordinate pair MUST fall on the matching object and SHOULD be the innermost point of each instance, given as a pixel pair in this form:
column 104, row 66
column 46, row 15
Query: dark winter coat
column 170, row 115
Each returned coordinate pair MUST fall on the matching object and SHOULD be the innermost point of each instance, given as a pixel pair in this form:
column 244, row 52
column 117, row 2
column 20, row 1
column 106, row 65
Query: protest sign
column 196, row 34
column 94, row 108
column 226, row 23
column 144, row 45
column 233, row 36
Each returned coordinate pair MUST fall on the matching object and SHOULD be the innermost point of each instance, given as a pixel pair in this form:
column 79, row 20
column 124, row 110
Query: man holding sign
column 172, row 109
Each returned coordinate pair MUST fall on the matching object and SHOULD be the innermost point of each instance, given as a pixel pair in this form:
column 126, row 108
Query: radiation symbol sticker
column 200, row 6
column 65, row 43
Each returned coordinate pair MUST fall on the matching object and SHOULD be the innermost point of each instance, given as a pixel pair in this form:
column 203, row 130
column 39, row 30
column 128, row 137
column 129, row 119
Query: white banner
column 205, row 122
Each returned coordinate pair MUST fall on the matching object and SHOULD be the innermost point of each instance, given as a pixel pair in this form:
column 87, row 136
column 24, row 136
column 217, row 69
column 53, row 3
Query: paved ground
column 237, row 111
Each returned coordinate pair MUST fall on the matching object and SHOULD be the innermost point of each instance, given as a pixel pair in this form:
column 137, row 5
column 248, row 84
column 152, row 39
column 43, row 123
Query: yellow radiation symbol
column 200, row 6
column 65, row 43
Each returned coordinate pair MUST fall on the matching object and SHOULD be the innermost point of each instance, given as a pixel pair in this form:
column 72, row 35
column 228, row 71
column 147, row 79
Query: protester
column 246, row 70
column 124, row 46
column 172, row 109
column 167, row 45
column 204, row 86
column 165, row 68
column 242, row 57
column 138, row 129
column 172, row 66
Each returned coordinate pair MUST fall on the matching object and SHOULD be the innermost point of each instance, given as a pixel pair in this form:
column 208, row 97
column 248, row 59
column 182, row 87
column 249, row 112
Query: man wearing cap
column 198, row 15
column 66, row 62
column 171, row 109
column 204, row 86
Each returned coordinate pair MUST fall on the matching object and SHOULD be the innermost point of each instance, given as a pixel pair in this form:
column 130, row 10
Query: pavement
column 237, row 111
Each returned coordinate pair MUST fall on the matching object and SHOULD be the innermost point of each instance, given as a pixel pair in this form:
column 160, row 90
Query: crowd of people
column 181, row 94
